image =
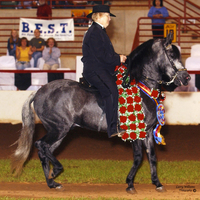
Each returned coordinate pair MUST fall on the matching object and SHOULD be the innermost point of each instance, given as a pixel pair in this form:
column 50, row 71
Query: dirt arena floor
column 183, row 143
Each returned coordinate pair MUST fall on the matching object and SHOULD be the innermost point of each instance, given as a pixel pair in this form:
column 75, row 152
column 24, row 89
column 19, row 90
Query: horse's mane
column 136, row 59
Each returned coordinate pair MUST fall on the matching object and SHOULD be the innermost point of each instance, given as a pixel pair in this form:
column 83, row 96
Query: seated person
column 37, row 45
column 13, row 41
column 51, row 55
column 23, row 54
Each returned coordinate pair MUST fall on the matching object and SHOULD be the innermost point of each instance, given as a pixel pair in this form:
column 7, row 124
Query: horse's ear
column 169, row 39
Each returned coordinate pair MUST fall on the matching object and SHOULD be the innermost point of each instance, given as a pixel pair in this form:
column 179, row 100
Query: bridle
column 165, row 48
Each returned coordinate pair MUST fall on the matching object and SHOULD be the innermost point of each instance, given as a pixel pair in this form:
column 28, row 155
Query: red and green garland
column 130, row 108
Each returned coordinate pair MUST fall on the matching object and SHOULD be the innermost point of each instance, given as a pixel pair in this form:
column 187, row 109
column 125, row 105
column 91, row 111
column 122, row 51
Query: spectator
column 44, row 10
column 158, row 12
column 51, row 55
column 13, row 41
column 37, row 45
column 23, row 54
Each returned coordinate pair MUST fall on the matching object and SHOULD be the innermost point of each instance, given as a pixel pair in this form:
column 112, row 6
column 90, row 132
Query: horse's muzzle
column 188, row 78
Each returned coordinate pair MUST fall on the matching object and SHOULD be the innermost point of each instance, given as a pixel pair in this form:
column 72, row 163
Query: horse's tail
column 25, row 140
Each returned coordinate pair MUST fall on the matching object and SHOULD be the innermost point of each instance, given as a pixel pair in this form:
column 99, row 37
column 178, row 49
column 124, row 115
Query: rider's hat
column 100, row 8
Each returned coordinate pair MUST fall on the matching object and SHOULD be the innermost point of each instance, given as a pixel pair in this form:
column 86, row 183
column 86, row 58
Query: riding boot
column 112, row 117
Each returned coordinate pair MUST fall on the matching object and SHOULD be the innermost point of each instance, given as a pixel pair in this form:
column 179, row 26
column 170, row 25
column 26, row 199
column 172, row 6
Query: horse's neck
column 151, row 79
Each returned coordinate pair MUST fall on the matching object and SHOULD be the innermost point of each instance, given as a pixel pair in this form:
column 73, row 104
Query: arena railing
column 30, row 79
column 49, row 71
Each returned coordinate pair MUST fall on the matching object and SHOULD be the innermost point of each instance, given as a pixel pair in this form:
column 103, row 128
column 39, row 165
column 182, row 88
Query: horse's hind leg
column 149, row 146
column 45, row 150
column 137, row 150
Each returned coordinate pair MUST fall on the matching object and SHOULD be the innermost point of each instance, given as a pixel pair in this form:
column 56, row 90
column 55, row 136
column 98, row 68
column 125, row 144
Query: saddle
column 84, row 84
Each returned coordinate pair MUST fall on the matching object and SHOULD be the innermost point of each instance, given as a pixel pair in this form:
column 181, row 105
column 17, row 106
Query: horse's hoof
column 59, row 187
column 161, row 189
column 131, row 190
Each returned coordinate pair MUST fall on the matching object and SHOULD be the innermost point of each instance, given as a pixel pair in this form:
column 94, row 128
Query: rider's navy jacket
column 98, row 52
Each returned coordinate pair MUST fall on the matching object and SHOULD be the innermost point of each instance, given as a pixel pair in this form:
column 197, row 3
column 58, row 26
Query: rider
column 100, row 60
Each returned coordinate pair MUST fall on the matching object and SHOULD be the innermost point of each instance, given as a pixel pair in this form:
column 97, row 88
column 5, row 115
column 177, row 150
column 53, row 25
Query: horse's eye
column 171, row 55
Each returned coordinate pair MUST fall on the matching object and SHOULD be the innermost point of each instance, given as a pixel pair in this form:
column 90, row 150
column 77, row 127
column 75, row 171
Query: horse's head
column 173, row 69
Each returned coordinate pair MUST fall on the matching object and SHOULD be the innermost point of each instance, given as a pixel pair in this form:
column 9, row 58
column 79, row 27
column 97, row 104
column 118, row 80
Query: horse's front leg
column 137, row 151
column 149, row 146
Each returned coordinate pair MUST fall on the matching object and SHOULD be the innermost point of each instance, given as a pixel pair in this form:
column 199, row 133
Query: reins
column 126, row 82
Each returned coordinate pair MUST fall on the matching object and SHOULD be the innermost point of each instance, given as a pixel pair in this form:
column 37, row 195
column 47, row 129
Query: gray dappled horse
column 63, row 104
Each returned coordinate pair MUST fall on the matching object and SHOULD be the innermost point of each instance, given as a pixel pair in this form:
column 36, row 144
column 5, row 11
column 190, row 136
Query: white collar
column 100, row 25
